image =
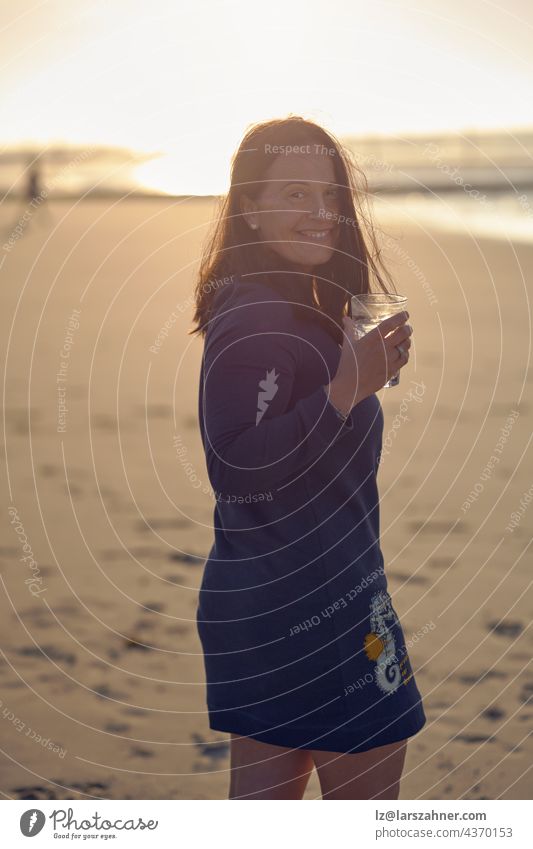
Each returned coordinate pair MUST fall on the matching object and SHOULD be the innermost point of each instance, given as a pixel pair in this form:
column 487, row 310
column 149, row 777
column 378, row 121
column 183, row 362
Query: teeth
column 317, row 234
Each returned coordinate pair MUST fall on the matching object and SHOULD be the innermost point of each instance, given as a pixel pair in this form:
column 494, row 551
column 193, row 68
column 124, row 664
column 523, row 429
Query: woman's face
column 296, row 213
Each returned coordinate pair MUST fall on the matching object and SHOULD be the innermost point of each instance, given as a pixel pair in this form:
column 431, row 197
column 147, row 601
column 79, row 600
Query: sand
column 101, row 675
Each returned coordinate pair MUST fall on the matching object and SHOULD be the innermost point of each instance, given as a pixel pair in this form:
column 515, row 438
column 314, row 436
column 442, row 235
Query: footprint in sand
column 506, row 628
column 90, row 787
column 46, row 470
column 8, row 551
column 18, row 421
column 475, row 789
column 474, row 738
column 440, row 562
column 42, row 792
column 413, row 579
column 145, row 551
column 494, row 714
column 47, row 653
column 190, row 559
column 438, row 526
column 216, row 750
column 476, row 679
column 144, row 625
column 131, row 644
column 101, row 421
column 154, row 606
column 36, row 791
column 178, row 578
column 103, row 691
column 137, row 752
column 71, row 490
column 526, row 692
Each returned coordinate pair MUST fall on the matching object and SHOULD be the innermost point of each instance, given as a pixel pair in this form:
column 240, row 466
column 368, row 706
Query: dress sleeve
column 254, row 438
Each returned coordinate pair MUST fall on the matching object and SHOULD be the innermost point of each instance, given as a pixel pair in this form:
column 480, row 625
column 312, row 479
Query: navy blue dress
column 302, row 645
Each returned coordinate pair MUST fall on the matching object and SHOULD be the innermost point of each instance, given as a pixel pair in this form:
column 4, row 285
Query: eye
column 297, row 194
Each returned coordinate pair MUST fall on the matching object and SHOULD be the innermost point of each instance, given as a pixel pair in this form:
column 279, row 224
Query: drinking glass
column 368, row 310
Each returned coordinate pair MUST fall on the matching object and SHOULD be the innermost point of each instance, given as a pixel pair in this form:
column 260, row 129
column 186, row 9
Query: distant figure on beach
column 33, row 198
column 305, row 657
column 36, row 197
column 33, row 184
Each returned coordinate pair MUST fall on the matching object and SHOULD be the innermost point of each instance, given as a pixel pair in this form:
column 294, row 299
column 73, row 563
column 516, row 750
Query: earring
column 253, row 226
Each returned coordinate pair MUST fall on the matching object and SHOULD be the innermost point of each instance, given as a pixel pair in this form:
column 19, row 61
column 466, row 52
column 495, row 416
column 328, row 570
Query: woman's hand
column 366, row 364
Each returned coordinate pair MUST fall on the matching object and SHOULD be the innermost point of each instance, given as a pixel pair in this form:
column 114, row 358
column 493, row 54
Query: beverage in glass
column 369, row 309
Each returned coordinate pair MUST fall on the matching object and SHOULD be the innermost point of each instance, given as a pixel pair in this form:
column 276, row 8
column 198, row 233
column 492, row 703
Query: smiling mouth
column 316, row 235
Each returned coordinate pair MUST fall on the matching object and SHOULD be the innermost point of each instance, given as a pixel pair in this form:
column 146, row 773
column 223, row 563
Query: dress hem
column 346, row 738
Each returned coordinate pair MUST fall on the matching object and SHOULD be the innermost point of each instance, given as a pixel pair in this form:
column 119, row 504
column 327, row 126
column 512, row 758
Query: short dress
column 302, row 645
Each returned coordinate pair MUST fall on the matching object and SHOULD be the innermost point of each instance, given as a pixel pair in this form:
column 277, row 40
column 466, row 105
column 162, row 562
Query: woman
column 304, row 655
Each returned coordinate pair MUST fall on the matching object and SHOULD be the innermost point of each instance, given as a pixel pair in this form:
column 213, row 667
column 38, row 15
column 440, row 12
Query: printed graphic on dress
column 268, row 388
column 392, row 662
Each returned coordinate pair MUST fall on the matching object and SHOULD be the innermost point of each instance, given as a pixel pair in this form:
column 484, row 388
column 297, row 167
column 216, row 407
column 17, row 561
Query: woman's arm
column 254, row 441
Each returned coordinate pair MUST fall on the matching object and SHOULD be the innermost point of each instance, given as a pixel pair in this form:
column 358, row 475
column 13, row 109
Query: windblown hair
column 234, row 249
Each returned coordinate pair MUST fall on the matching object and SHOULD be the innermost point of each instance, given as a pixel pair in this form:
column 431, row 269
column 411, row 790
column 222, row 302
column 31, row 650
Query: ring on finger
column 401, row 350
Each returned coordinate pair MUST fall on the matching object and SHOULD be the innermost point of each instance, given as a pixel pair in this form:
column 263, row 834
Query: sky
column 187, row 78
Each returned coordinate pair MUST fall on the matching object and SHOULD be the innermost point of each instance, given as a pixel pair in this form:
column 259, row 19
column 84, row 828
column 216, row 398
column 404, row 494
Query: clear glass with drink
column 369, row 309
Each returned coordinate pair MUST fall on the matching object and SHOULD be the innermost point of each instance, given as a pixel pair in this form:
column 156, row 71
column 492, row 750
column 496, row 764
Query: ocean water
column 504, row 211
column 506, row 215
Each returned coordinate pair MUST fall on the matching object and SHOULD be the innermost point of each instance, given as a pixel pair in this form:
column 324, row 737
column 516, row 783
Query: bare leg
column 262, row 771
column 367, row 775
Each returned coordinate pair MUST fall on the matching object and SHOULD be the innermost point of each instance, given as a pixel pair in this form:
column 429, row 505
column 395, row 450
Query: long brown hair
column 233, row 249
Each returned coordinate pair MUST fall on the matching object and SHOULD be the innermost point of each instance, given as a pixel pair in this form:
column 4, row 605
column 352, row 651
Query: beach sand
column 101, row 675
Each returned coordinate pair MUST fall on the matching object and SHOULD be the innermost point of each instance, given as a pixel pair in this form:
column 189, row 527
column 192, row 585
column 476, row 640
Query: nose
column 320, row 204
